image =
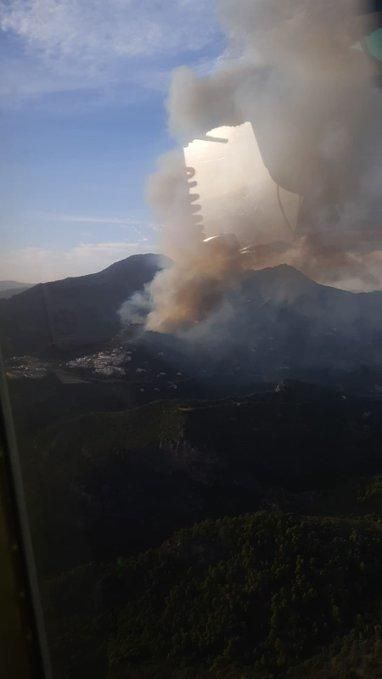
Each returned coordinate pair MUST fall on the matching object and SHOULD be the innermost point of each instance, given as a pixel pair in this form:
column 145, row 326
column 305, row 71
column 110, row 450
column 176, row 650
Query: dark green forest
column 231, row 538
column 260, row 595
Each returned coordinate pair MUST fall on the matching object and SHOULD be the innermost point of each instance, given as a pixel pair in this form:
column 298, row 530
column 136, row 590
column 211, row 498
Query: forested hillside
column 256, row 596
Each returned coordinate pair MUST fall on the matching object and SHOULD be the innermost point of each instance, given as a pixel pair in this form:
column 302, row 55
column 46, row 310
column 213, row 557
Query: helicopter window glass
column 190, row 330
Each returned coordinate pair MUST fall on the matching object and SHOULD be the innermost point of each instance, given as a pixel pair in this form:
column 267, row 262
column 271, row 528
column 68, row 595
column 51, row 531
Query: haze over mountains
column 276, row 319
column 10, row 288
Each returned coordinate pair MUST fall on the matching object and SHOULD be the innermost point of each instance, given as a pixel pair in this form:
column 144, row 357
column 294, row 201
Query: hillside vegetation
column 259, row 596
column 129, row 479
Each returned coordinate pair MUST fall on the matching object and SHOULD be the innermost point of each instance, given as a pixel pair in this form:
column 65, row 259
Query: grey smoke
column 295, row 70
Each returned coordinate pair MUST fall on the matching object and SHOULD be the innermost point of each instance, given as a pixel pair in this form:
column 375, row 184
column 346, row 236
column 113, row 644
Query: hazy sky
column 82, row 119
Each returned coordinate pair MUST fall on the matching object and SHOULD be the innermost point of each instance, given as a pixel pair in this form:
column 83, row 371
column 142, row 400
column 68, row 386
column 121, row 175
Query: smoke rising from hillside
column 296, row 71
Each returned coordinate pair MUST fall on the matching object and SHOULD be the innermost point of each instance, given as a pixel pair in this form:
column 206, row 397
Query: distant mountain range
column 275, row 320
column 10, row 288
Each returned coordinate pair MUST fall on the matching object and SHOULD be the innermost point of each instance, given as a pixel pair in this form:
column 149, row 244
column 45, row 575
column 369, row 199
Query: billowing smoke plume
column 186, row 291
column 297, row 72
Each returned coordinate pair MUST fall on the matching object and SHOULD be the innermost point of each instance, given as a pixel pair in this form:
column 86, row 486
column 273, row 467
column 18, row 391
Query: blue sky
column 83, row 121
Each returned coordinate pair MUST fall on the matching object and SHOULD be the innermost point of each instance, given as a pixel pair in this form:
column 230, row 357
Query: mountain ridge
column 273, row 317
column 9, row 284
column 9, row 288
column 73, row 312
